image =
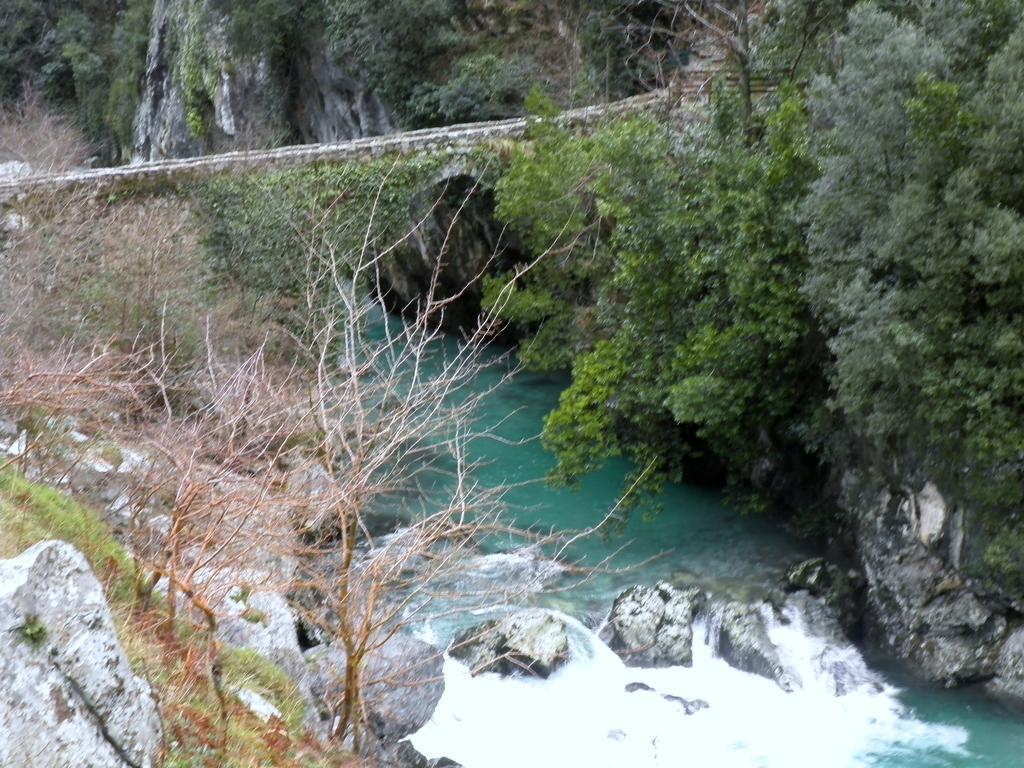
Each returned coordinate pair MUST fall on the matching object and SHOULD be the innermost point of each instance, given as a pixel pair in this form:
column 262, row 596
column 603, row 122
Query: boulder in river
column 813, row 575
column 689, row 706
column 841, row 589
column 738, row 635
column 529, row 643
column 402, row 682
column 652, row 626
column 69, row 694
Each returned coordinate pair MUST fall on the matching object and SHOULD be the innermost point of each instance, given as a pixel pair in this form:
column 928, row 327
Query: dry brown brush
column 248, row 457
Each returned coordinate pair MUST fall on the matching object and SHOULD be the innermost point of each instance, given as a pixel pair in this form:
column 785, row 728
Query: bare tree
column 394, row 408
column 251, row 461
column 42, row 140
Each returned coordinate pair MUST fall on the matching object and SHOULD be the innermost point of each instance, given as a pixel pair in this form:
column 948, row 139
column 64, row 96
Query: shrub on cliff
column 672, row 285
column 915, row 236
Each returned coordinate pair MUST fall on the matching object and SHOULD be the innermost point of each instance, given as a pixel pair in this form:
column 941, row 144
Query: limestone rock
column 264, row 623
column 13, row 223
column 258, row 705
column 69, row 694
column 240, row 101
column 739, row 636
column 14, row 169
column 842, row 589
column 330, row 104
column 651, row 626
column 689, row 706
column 532, row 643
column 8, row 429
column 403, row 681
column 1009, row 680
column 918, row 606
column 634, row 687
column 932, row 515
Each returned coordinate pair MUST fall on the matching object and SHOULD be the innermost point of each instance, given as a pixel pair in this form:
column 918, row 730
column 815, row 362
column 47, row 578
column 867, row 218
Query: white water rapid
column 840, row 715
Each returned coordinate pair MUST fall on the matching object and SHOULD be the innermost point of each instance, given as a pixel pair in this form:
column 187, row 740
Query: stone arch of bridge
column 457, row 234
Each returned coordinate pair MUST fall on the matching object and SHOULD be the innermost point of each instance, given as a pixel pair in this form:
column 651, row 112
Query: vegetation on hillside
column 830, row 276
column 833, row 280
column 249, row 423
column 85, row 56
column 433, row 62
column 171, row 657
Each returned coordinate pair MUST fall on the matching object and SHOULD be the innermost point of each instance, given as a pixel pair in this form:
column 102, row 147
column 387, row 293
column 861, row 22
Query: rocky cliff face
column 201, row 94
column 919, row 603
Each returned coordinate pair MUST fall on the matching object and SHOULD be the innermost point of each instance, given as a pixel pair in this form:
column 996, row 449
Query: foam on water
column 841, row 715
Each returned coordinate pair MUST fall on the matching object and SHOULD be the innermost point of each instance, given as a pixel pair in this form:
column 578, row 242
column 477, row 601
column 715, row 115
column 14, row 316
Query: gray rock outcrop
column 330, row 104
column 201, row 94
column 69, row 696
column 265, row 623
column 403, row 682
column 738, row 635
column 919, row 605
column 527, row 643
column 841, row 589
column 689, row 706
column 14, row 169
column 652, row 626
column 1008, row 682
column 454, row 239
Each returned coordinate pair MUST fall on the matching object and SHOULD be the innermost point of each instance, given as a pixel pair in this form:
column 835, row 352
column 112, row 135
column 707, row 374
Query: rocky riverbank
column 955, row 636
column 919, row 601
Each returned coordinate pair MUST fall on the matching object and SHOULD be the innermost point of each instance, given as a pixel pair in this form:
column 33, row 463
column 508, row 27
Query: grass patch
column 30, row 513
column 246, row 669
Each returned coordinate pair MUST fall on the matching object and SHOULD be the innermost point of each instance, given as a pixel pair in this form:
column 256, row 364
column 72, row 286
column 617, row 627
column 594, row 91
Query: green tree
column 399, row 44
column 85, row 56
column 482, row 87
column 23, row 45
column 672, row 284
column 916, row 236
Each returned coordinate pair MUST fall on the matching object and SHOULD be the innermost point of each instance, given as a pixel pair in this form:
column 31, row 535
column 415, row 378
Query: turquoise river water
column 580, row 716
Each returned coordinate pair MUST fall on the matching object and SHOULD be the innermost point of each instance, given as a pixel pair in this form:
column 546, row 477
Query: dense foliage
column 917, row 252
column 264, row 232
column 672, row 287
column 835, row 281
column 83, row 55
column 445, row 61
column 830, row 278
column 432, row 61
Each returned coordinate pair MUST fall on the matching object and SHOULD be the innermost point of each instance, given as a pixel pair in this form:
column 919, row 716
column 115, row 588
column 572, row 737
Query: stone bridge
column 452, row 139
column 452, row 224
